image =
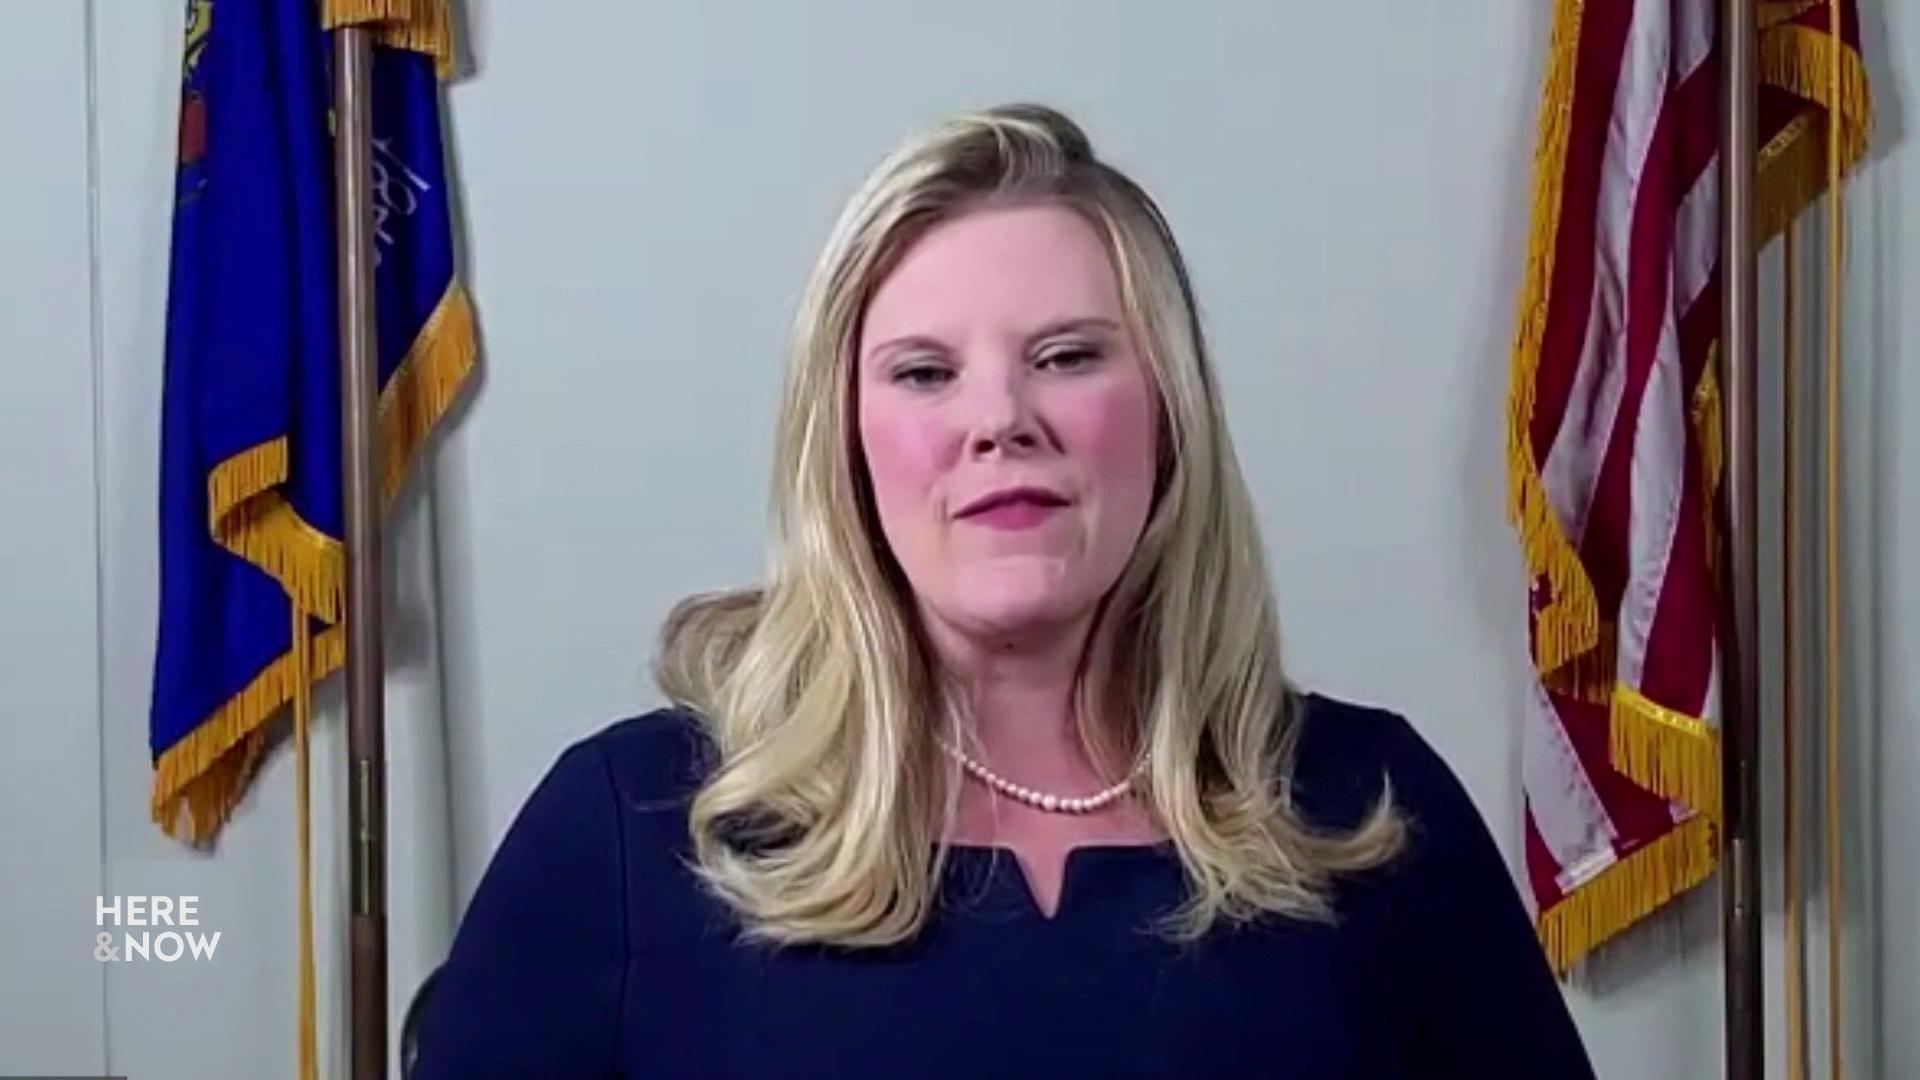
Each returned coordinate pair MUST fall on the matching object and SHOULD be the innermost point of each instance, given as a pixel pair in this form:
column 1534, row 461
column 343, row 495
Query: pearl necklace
column 1051, row 803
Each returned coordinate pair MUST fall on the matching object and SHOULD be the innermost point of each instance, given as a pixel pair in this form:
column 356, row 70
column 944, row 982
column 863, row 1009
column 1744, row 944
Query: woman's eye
column 1071, row 358
column 921, row 376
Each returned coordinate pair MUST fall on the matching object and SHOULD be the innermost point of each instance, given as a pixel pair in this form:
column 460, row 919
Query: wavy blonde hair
column 821, row 820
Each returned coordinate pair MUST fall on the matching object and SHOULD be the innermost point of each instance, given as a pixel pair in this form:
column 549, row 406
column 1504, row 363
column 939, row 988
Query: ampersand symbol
column 103, row 947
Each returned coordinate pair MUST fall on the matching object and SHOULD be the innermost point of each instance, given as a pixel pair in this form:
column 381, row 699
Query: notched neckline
column 1073, row 871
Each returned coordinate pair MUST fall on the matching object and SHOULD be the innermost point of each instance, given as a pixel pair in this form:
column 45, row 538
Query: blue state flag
column 250, row 517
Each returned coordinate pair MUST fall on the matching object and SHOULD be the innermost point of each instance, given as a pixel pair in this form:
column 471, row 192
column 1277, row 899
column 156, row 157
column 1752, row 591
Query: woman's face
column 1006, row 420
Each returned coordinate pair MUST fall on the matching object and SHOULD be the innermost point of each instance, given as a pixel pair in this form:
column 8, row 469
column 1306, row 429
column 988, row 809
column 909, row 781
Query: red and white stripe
column 1632, row 313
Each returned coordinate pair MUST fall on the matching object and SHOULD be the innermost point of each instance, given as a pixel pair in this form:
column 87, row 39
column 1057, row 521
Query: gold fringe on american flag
column 1614, row 432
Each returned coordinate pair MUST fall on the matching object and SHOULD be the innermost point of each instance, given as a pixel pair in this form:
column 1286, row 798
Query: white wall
column 1880, row 591
column 50, row 989
column 1881, row 452
column 644, row 188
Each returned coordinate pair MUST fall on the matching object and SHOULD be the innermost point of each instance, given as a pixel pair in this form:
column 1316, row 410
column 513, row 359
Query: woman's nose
column 1007, row 441
column 1003, row 417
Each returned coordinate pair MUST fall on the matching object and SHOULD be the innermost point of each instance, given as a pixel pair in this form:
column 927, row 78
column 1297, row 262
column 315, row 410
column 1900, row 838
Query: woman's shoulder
column 645, row 767
column 631, row 780
column 1467, row 969
column 538, row 965
column 660, row 755
column 1348, row 754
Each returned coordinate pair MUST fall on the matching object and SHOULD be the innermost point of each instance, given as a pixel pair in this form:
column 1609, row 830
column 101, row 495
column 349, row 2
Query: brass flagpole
column 1740, row 814
column 366, row 722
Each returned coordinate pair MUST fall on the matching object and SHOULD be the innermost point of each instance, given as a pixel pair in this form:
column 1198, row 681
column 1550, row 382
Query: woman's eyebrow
column 1078, row 323
column 922, row 341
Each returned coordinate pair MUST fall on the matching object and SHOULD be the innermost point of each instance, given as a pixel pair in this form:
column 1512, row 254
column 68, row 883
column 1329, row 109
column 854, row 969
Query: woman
column 998, row 774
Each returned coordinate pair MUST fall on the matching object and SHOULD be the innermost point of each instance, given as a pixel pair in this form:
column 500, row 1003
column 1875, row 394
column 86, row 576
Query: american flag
column 1614, row 444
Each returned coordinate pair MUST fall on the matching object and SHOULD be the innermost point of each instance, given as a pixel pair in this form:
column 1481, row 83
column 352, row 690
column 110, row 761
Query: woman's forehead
column 1009, row 268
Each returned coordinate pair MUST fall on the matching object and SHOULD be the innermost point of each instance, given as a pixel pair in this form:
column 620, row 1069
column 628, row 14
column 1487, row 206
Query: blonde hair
column 818, row 823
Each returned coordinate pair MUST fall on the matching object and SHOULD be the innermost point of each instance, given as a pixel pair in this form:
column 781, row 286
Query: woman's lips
column 1015, row 514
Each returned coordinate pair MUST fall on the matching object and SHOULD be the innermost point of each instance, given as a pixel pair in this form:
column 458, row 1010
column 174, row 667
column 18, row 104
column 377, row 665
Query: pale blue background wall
column 645, row 186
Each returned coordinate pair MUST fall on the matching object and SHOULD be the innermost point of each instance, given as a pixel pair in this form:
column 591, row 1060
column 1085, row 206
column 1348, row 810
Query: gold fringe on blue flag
column 252, row 569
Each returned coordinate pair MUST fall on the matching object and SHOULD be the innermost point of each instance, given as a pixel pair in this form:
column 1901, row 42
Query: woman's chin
column 1017, row 615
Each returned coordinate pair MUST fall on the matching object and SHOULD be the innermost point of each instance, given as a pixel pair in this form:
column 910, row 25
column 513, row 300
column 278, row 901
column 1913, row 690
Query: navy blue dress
column 588, row 950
